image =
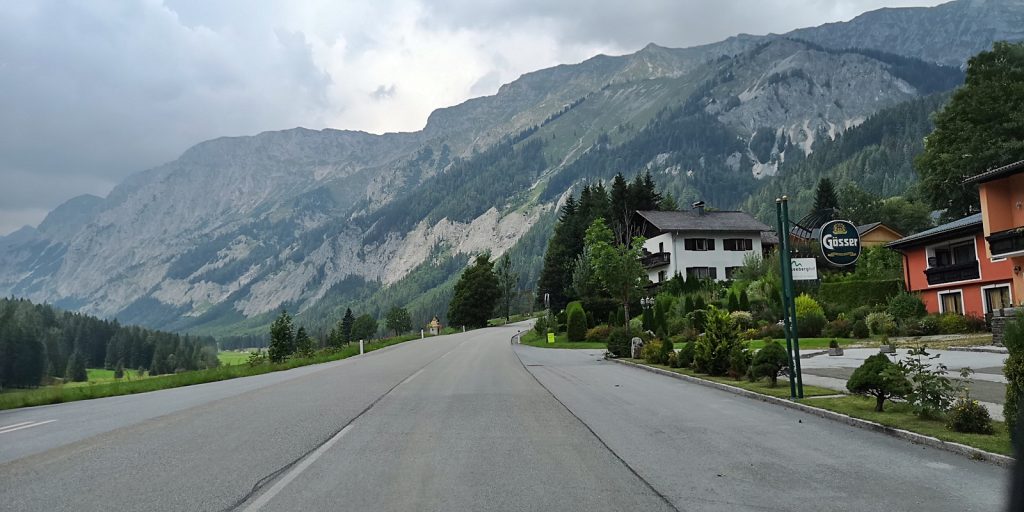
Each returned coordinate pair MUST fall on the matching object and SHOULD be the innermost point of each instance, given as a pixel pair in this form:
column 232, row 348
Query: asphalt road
column 466, row 422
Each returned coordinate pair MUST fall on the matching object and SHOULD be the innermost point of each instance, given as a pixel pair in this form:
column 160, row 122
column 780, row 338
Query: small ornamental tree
column 744, row 301
column 617, row 267
column 881, row 378
column 734, row 302
column 713, row 349
column 810, row 317
column 576, row 322
column 771, row 361
column 662, row 305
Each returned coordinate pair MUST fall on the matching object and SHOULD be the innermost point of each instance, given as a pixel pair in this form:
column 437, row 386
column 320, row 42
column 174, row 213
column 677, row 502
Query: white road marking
column 16, row 425
column 12, row 428
column 295, row 472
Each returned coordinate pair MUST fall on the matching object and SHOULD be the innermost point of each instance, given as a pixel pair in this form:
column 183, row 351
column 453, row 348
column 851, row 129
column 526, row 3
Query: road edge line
column 934, row 442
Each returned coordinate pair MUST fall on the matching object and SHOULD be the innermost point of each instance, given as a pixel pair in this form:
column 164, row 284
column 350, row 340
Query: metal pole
column 783, row 236
column 792, row 305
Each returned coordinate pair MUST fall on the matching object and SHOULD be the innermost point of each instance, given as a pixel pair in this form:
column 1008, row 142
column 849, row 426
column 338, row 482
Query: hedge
column 851, row 294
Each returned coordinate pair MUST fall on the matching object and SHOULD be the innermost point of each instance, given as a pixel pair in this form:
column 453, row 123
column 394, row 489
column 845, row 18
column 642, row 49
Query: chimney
column 699, row 206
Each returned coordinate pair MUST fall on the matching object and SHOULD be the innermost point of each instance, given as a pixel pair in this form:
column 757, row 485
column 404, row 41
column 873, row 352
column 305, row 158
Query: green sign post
column 796, row 381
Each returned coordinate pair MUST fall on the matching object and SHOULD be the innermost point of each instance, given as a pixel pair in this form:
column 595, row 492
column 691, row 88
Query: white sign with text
column 804, row 269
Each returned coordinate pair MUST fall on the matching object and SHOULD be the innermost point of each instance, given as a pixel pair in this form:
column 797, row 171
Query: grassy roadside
column 896, row 415
column 781, row 390
column 899, row 415
column 533, row 339
column 59, row 394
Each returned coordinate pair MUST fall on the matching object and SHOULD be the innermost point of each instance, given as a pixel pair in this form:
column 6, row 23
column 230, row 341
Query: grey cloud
column 382, row 93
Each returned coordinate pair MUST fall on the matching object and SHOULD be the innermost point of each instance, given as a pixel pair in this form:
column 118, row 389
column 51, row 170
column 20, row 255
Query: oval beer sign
column 840, row 242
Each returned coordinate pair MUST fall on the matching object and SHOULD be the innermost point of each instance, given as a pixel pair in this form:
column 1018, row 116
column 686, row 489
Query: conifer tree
column 346, row 326
column 282, row 338
column 303, row 343
column 476, row 294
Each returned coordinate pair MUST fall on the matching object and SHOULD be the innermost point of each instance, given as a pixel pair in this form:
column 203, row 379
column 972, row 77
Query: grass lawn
column 131, row 384
column 233, row 357
column 781, row 390
column 533, row 339
column 900, row 416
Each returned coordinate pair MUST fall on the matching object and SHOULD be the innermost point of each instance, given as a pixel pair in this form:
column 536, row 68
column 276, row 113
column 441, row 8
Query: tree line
column 40, row 344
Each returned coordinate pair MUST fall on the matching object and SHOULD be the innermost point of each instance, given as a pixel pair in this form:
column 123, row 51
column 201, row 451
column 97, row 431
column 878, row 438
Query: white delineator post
column 421, row 334
column 360, row 347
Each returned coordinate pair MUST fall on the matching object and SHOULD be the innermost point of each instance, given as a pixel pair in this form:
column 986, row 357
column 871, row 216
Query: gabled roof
column 708, row 221
column 995, row 174
column 969, row 224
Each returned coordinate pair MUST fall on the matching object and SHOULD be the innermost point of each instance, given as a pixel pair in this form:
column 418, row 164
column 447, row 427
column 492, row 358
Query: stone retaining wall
column 999, row 319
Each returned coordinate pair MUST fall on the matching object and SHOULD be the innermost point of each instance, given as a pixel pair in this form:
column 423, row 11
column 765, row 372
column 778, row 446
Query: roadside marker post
column 422, row 336
column 360, row 347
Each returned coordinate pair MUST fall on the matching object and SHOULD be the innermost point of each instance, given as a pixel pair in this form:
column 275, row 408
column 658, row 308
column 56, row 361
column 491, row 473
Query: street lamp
column 647, row 302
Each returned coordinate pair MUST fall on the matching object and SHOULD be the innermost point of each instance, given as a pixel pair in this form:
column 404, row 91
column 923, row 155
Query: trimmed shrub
column 739, row 360
column 952, row 323
column 576, row 322
column 976, row 323
column 1013, row 339
column 662, row 305
column 742, row 319
column 744, row 300
column 879, row 377
column 880, row 323
column 673, row 360
column 860, row 330
column 652, row 352
column 619, row 342
column 666, row 349
column 810, row 318
column 685, row 355
column 773, row 330
column 598, row 333
column 906, row 306
column 859, row 313
column 771, row 361
column 647, row 319
column 970, row 417
column 838, row 328
column 733, row 302
column 749, row 334
column 928, row 325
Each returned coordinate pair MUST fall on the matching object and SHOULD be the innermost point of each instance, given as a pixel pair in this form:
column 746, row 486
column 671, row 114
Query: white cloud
column 100, row 89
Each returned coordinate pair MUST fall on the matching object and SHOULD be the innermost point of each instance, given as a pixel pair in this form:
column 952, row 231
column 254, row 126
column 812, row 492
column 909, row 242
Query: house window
column 951, row 302
column 661, row 246
column 701, row 272
column 997, row 297
column 661, row 276
column 730, row 272
column 953, row 255
column 738, row 244
column 699, row 244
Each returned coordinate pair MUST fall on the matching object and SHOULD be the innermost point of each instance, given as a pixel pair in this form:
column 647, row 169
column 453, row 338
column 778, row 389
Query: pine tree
column 282, row 338
column 744, row 301
column 76, row 371
column 346, row 326
column 476, row 294
column 303, row 343
column 825, row 196
column 734, row 302
column 119, row 369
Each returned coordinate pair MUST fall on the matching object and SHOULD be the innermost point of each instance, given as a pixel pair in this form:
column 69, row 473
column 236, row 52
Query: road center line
column 295, row 472
column 12, row 428
column 16, row 425
column 413, row 376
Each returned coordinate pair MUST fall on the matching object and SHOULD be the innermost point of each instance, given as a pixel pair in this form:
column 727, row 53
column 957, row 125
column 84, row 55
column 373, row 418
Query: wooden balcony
column 1008, row 242
column 657, row 259
column 953, row 273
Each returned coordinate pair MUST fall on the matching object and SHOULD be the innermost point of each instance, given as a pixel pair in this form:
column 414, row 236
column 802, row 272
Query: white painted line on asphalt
column 295, row 472
column 30, row 425
column 16, row 425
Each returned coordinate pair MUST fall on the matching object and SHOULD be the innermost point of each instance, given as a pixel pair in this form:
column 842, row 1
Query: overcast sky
column 93, row 91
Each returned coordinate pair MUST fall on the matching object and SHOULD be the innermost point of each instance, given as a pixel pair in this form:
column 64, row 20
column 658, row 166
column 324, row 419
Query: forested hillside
column 39, row 343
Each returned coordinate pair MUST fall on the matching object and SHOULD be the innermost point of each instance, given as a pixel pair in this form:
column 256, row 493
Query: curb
column 957, row 448
column 979, row 349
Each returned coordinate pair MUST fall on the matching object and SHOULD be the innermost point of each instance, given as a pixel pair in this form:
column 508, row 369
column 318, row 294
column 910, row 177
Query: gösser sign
column 840, row 242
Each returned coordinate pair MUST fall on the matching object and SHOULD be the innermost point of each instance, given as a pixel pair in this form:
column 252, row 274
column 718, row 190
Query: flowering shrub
column 970, row 417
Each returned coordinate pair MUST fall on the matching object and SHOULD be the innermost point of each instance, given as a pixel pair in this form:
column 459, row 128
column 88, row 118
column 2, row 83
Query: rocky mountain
column 236, row 228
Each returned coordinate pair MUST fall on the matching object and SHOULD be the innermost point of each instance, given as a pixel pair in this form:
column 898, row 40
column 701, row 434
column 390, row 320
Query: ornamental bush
column 880, row 323
column 952, row 323
column 838, row 328
column 619, row 342
column 860, row 330
column 906, row 306
column 810, row 317
column 879, row 377
column 576, row 322
column 541, row 326
column 598, row 333
column 739, row 360
column 652, row 352
column 742, row 319
column 771, row 361
column 713, row 349
column 970, row 417
column 685, row 355
column 928, row 325
column 1013, row 339
column 667, row 349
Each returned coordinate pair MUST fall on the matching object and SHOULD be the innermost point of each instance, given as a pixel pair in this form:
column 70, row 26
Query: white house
column 699, row 243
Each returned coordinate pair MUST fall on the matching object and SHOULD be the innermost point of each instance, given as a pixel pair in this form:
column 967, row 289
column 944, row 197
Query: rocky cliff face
column 239, row 227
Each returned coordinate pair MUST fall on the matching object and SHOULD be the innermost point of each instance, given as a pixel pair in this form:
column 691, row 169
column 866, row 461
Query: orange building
column 1002, row 213
column 942, row 264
